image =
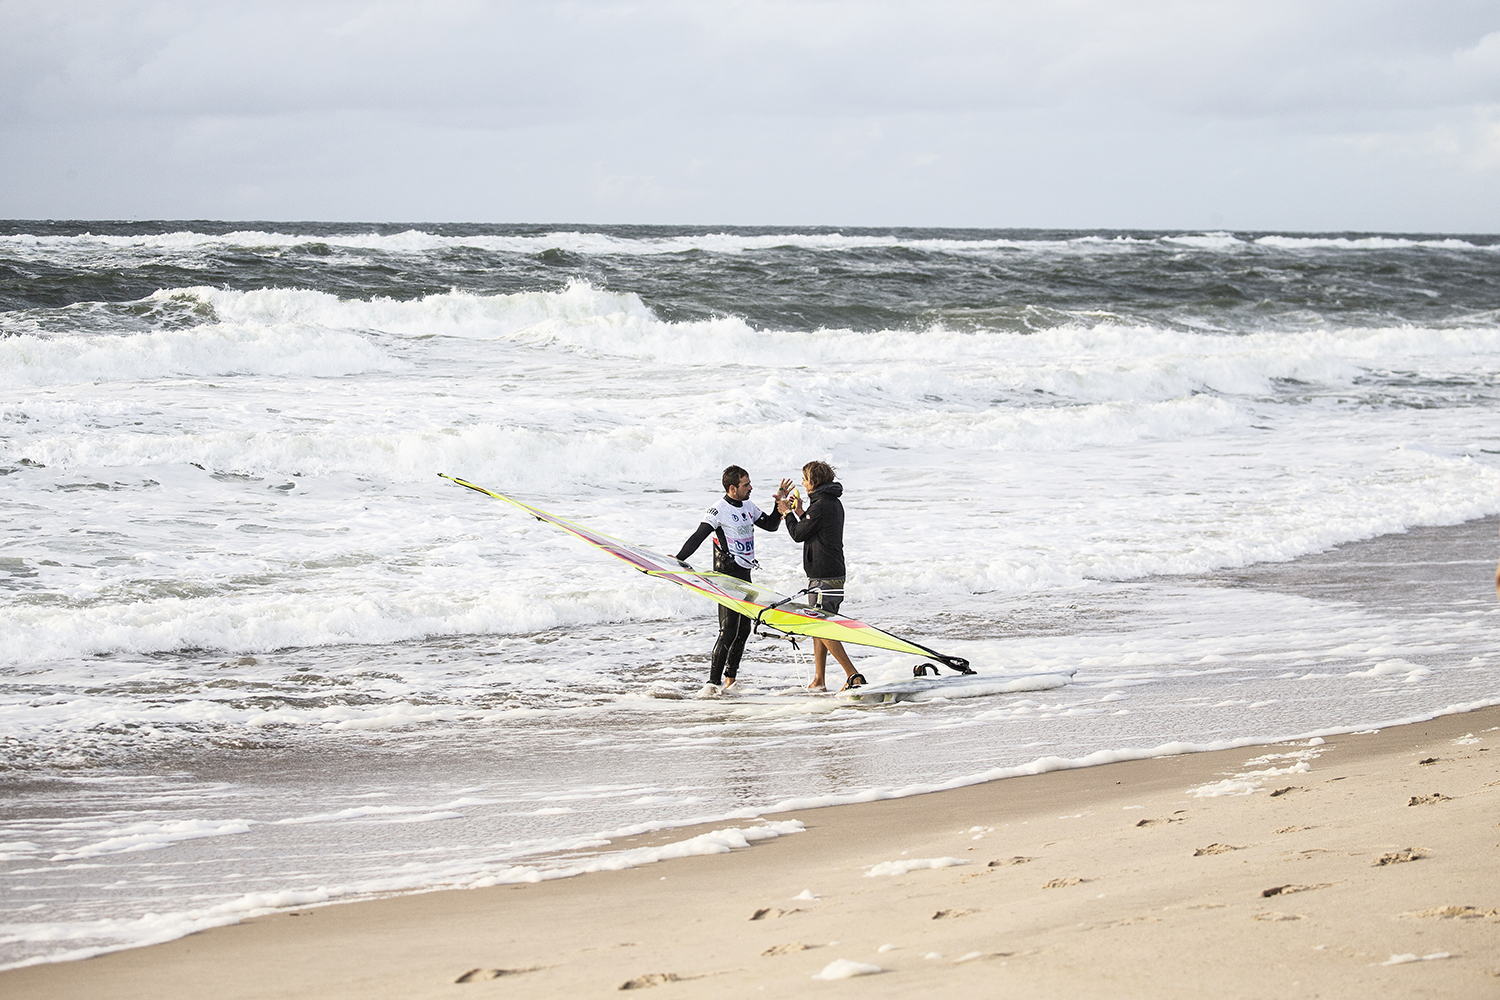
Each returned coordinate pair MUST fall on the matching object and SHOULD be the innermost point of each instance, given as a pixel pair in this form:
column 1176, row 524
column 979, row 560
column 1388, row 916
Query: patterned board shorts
column 825, row 595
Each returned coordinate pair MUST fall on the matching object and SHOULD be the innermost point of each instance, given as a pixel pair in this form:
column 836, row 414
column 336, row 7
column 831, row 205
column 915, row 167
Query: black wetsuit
column 735, row 558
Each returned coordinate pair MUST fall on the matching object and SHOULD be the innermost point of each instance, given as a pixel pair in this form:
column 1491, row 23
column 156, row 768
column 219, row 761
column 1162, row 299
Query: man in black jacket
column 732, row 521
column 820, row 529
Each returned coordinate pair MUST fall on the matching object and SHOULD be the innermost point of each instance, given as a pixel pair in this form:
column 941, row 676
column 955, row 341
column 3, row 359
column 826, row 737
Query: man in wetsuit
column 732, row 521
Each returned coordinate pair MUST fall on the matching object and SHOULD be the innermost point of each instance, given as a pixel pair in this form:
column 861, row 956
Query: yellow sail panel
column 769, row 608
column 841, row 630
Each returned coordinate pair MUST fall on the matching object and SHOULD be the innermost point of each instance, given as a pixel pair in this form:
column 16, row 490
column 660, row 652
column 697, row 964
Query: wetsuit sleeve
column 691, row 545
column 770, row 520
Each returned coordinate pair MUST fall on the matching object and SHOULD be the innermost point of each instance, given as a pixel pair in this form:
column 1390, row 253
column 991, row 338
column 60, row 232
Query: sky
column 1362, row 115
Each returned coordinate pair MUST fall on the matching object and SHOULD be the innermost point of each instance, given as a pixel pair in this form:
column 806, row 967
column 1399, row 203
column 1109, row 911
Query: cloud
column 582, row 58
column 1471, row 141
column 599, row 110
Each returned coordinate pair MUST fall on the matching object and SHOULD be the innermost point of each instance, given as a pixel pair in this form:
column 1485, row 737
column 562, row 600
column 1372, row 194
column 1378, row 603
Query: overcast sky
column 1352, row 114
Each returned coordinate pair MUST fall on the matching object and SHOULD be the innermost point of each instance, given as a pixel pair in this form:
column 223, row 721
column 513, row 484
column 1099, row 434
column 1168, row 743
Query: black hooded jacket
column 821, row 532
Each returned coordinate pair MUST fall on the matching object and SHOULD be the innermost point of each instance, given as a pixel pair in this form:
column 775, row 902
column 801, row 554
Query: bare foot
column 815, row 686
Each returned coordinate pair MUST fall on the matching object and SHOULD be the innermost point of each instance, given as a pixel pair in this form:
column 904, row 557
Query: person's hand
column 797, row 504
column 783, row 506
column 786, row 489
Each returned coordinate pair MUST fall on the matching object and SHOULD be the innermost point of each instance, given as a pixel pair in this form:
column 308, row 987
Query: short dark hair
column 818, row 473
column 733, row 475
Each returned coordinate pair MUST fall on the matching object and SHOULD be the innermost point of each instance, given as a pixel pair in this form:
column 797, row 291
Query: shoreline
column 1176, row 876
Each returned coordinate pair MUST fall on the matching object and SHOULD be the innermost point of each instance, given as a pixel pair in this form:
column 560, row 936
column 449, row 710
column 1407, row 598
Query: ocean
column 1168, row 490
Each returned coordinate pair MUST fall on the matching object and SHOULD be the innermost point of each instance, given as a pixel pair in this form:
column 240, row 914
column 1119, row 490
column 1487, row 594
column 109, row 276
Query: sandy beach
column 1364, row 865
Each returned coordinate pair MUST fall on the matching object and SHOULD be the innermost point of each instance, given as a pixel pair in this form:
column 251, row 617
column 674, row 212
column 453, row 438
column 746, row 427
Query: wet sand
column 1367, row 865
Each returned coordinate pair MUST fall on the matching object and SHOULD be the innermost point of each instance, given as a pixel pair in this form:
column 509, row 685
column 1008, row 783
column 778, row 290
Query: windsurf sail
column 761, row 605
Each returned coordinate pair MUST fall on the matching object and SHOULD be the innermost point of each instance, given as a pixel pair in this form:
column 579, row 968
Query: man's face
column 742, row 491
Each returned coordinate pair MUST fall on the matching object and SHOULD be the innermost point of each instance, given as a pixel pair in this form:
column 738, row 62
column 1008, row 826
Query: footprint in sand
column 1282, row 890
column 1216, row 849
column 1427, row 800
column 956, row 912
column 787, row 949
column 1458, row 913
column 771, row 913
column 1277, row 793
column 1062, row 883
column 479, row 975
column 1275, row 917
column 1155, row 822
column 651, row 979
column 1398, row 857
column 1007, row 862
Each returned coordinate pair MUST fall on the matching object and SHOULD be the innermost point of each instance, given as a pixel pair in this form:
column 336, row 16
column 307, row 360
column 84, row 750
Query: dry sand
column 1369, row 866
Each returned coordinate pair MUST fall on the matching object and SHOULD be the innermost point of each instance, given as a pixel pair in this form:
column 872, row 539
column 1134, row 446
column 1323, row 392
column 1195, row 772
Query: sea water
column 255, row 653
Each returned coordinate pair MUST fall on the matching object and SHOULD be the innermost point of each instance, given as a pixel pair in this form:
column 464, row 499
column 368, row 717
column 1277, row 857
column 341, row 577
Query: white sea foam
column 1413, row 957
column 153, row 837
column 19, row 849
column 1126, row 401
column 308, row 333
column 1043, row 765
column 847, row 968
column 906, row 865
column 1228, row 786
column 1363, row 243
column 166, row 924
column 204, row 351
column 67, row 940
column 605, row 244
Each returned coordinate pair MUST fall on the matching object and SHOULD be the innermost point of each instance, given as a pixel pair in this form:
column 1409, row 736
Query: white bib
column 738, row 525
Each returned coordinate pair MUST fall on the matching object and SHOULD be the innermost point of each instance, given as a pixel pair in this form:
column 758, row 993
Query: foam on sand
column 910, row 865
column 846, row 968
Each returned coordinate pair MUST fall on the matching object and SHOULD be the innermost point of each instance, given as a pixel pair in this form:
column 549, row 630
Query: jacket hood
column 834, row 489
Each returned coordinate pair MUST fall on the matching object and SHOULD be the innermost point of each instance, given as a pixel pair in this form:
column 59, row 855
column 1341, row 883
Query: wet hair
column 818, row 473
column 732, row 477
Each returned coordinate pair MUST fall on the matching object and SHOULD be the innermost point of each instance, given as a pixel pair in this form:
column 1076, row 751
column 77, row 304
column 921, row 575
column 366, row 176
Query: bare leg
column 837, row 649
column 820, row 660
